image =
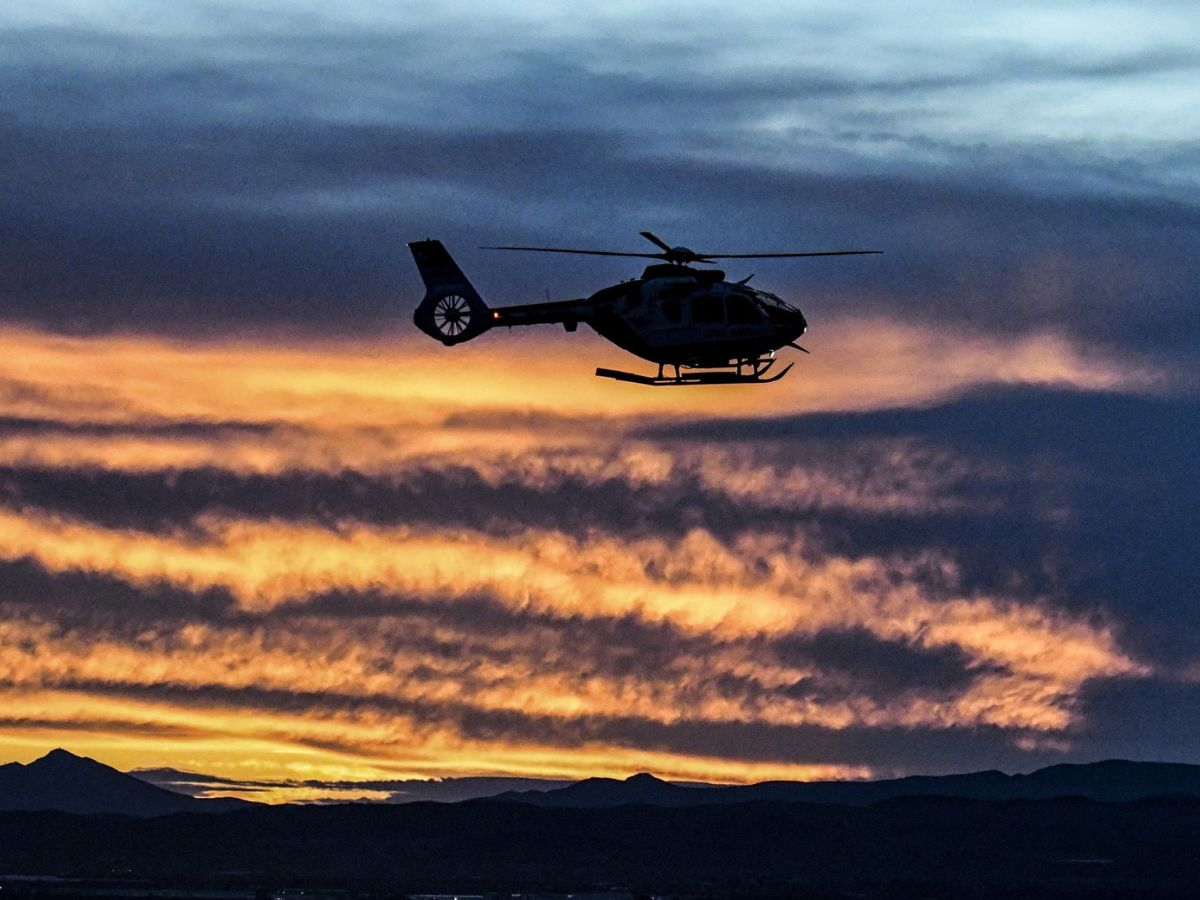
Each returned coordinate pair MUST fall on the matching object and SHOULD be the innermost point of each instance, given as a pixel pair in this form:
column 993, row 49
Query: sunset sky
column 255, row 527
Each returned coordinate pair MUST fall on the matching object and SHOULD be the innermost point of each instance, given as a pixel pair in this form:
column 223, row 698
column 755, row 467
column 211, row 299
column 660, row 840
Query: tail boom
column 452, row 310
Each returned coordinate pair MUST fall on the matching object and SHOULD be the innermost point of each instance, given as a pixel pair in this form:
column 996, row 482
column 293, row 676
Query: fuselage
column 679, row 316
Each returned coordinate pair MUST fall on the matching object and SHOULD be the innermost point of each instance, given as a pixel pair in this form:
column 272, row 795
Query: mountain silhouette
column 1111, row 780
column 1064, row 831
column 61, row 781
column 64, row 782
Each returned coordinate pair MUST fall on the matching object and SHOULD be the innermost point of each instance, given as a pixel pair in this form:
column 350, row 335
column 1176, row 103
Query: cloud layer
column 251, row 552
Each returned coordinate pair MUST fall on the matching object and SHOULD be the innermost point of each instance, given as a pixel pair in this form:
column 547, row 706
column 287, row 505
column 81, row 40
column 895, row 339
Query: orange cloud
column 758, row 586
column 395, row 381
column 508, row 411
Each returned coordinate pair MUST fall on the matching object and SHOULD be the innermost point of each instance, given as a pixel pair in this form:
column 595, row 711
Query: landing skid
column 685, row 375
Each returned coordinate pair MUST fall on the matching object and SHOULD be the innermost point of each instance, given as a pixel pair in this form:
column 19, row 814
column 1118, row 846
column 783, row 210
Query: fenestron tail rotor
column 452, row 315
column 452, row 310
column 683, row 255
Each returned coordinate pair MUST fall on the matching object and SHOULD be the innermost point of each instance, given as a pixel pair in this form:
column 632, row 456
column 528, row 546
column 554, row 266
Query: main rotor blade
column 655, row 239
column 771, row 255
column 571, row 250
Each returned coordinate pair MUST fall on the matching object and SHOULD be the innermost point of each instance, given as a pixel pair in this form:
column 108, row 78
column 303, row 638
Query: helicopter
column 689, row 320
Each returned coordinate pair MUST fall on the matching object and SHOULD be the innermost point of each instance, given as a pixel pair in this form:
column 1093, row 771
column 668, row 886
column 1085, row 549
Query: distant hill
column 980, row 835
column 1113, row 780
column 65, row 782
column 61, row 781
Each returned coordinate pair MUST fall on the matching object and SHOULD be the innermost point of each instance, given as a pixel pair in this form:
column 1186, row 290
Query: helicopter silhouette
column 709, row 330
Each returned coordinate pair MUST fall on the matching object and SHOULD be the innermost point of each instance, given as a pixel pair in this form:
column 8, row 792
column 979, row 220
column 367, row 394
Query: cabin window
column 781, row 317
column 672, row 308
column 676, row 289
column 741, row 310
column 707, row 308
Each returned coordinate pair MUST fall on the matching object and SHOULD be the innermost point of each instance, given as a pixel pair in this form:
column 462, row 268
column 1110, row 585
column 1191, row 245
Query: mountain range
column 1112, row 829
column 63, row 782
column 1111, row 780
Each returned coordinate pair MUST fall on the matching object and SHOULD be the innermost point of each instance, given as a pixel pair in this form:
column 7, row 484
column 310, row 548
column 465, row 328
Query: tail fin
column 452, row 310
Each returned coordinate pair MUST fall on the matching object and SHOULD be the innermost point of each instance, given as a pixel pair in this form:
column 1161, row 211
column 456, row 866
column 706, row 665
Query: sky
column 261, row 536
